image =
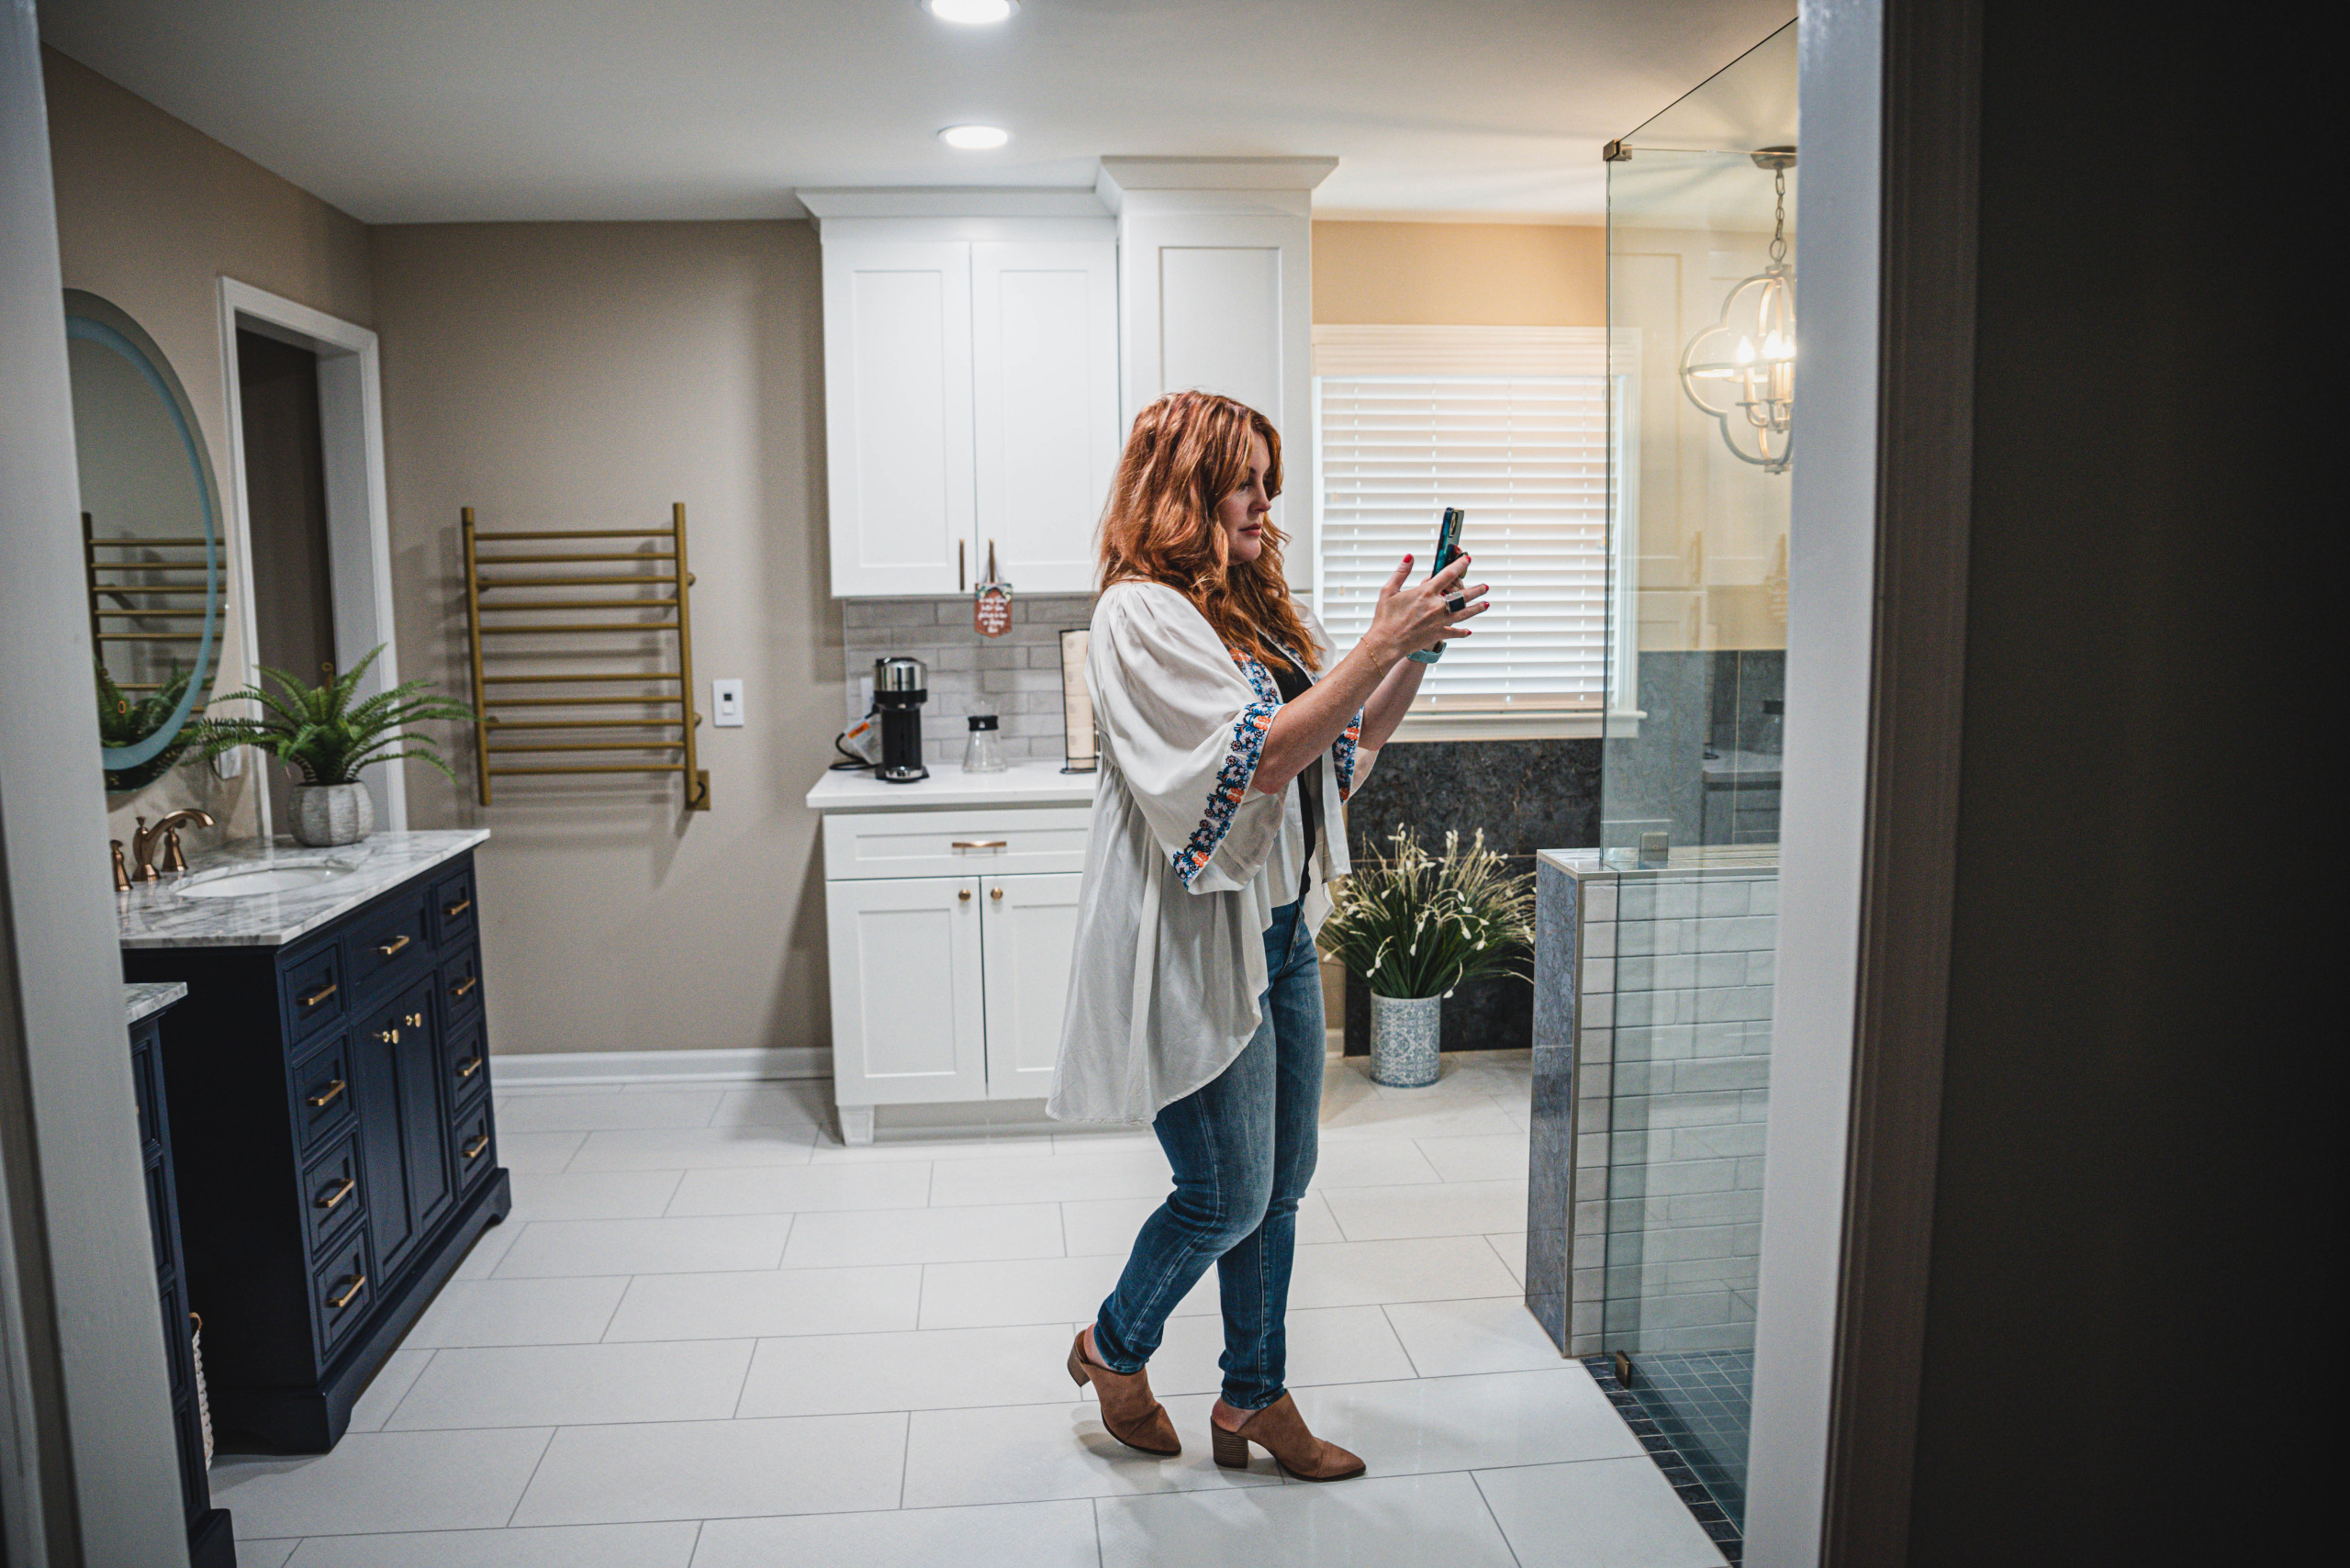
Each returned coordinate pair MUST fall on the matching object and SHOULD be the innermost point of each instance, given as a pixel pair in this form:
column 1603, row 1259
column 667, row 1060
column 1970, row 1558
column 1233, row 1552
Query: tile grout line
column 544, row 1449
column 1499, row 1528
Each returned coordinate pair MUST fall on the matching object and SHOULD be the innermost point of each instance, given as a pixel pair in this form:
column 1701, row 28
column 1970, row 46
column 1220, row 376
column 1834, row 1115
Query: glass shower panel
column 1701, row 267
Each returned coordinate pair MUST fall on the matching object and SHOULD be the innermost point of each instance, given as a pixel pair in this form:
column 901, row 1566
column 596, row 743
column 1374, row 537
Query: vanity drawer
column 474, row 1148
column 159, row 1208
column 860, row 845
column 179, row 1348
column 311, row 990
column 467, row 1058
column 331, row 1196
column 461, row 984
column 451, row 905
column 142, row 1089
column 387, row 942
column 322, row 1090
column 341, row 1290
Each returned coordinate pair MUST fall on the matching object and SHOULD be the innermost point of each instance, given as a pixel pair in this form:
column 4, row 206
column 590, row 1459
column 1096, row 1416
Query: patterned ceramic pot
column 329, row 814
column 1403, row 1034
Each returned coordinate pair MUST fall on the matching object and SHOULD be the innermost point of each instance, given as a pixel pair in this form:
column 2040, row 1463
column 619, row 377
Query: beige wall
column 582, row 376
column 1460, row 274
column 150, row 215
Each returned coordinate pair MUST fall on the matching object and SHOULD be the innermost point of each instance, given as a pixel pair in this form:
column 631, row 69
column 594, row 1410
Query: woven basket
column 203, row 1400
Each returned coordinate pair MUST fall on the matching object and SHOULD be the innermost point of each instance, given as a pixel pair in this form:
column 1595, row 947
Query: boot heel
column 1231, row 1448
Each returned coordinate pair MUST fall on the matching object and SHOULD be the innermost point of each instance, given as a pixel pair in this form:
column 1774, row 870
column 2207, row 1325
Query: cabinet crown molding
column 955, row 201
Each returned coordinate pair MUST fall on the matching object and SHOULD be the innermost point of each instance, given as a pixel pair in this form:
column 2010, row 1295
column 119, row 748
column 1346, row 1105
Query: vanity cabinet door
column 1028, row 930
column 906, row 996
column 395, row 1075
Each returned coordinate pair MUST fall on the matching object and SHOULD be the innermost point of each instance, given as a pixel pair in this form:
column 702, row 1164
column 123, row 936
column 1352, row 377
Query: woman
column 1229, row 743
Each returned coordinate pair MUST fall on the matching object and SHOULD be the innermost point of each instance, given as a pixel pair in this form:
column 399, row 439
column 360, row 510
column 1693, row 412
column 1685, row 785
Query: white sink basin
column 263, row 880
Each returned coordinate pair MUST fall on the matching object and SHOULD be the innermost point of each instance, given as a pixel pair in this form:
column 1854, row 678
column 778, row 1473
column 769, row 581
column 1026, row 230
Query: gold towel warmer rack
column 503, row 617
column 139, row 588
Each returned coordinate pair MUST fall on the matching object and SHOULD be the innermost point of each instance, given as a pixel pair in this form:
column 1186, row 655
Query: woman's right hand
column 1406, row 620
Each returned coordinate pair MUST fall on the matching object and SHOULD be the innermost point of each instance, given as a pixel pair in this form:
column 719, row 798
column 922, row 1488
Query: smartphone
column 1448, row 538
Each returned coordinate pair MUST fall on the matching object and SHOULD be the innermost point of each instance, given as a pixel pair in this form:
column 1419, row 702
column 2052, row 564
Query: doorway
column 310, row 529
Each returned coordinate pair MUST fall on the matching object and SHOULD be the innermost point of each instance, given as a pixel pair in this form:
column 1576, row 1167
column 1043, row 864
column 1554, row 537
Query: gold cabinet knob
column 995, row 893
column 414, row 1020
column 963, row 895
column 389, row 1036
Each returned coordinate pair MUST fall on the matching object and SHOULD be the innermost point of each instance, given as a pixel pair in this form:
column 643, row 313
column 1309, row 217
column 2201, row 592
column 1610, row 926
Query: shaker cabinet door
column 898, row 414
column 403, row 1132
column 1029, row 928
column 906, row 994
column 1044, row 363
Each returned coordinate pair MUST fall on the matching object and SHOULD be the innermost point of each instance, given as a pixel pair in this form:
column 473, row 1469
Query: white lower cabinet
column 947, row 988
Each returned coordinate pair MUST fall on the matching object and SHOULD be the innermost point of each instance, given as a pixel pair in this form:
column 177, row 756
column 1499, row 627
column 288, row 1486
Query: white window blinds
column 1526, row 456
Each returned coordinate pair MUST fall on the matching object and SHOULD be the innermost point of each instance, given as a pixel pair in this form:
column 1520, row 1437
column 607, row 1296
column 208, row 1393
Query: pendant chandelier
column 1741, row 370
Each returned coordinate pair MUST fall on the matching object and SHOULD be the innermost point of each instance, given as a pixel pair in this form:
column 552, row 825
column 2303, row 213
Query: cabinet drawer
column 387, row 942
column 159, row 1210
column 860, row 845
column 331, row 1196
column 461, row 984
column 476, row 1148
column 342, row 1288
column 142, row 1088
column 311, row 990
column 450, row 905
column 179, row 1348
column 467, row 1058
column 322, row 1094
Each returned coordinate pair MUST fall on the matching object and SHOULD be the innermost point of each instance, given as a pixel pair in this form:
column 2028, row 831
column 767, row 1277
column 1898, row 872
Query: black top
column 1293, row 684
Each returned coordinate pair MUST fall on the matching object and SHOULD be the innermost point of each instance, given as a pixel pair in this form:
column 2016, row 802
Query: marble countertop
column 154, row 914
column 146, row 998
column 1708, row 860
column 1032, row 782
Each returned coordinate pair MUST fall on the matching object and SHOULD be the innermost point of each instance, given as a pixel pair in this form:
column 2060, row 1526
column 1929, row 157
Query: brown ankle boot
column 1131, row 1412
column 1281, row 1431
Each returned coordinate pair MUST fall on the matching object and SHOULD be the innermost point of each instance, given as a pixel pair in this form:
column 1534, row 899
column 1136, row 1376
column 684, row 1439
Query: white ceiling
column 440, row 110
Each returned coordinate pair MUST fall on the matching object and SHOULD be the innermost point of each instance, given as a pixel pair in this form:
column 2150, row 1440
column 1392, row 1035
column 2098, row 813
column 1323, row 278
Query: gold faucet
column 166, row 833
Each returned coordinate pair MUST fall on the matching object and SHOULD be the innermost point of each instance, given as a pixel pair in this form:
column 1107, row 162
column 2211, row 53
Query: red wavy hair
column 1186, row 452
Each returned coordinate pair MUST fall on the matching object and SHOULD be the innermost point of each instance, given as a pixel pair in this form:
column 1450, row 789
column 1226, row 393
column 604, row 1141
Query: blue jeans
column 1242, row 1151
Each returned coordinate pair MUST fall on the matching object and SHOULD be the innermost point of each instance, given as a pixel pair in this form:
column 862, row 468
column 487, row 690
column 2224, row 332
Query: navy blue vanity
column 329, row 1100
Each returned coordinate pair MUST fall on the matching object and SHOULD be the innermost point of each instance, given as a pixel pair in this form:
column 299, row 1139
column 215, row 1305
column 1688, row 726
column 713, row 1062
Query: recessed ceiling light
column 975, row 138
column 971, row 12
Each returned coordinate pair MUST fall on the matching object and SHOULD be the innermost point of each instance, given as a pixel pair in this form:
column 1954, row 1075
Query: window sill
column 1581, row 725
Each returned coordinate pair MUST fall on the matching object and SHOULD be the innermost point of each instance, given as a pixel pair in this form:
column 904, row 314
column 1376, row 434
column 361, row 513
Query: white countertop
column 143, row 999
column 1033, row 782
column 1710, row 859
column 153, row 914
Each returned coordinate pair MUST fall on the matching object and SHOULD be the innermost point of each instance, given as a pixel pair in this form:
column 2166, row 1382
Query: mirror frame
column 95, row 321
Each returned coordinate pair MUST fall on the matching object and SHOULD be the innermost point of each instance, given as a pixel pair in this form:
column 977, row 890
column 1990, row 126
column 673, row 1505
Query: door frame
column 359, row 531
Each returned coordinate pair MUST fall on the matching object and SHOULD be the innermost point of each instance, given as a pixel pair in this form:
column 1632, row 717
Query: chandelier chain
column 1779, row 218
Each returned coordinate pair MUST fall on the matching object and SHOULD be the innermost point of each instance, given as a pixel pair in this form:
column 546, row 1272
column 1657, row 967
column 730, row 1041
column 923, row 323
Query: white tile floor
column 711, row 1337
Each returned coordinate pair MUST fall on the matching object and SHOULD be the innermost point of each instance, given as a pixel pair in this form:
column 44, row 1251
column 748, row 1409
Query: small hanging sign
column 991, row 605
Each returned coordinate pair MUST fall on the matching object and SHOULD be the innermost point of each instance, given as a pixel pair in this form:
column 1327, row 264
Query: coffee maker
column 900, row 688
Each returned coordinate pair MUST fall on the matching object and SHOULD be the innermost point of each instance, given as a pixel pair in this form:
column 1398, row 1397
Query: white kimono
column 1186, row 863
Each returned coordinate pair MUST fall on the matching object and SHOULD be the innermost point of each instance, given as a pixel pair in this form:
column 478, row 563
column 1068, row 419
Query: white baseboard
column 660, row 1067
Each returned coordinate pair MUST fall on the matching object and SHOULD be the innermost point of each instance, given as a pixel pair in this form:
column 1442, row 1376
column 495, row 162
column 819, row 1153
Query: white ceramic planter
column 1405, row 1031
column 329, row 814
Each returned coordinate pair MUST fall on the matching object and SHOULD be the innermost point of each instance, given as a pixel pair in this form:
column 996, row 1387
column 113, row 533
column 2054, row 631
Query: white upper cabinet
column 1045, row 359
column 971, row 388
column 897, row 413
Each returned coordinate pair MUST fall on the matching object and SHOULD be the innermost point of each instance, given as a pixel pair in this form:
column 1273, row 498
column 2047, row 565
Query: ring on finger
column 1456, row 604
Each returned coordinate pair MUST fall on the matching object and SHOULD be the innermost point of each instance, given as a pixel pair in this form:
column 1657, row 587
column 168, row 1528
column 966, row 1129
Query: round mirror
column 150, row 540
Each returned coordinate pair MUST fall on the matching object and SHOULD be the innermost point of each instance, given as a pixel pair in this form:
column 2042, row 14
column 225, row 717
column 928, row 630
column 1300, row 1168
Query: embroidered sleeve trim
column 1231, row 788
column 1342, row 754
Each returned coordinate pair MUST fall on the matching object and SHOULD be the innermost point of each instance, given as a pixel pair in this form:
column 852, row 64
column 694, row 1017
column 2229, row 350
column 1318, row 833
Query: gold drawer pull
column 349, row 1186
column 467, row 1068
column 333, row 1090
column 358, row 1283
column 319, row 995
column 963, row 895
column 995, row 893
column 415, row 1020
column 393, row 945
column 472, row 1149
column 464, row 985
column 389, row 1036
column 980, row 843
column 455, row 909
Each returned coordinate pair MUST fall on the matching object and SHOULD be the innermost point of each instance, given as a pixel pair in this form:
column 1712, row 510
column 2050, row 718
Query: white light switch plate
column 726, row 704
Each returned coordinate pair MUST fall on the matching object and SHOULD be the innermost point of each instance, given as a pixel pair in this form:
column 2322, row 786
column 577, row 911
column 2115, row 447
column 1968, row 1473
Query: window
column 1511, row 425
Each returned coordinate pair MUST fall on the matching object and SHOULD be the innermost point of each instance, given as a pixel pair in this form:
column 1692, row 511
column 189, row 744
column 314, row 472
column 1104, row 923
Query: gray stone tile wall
column 1653, row 994
column 1017, row 676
